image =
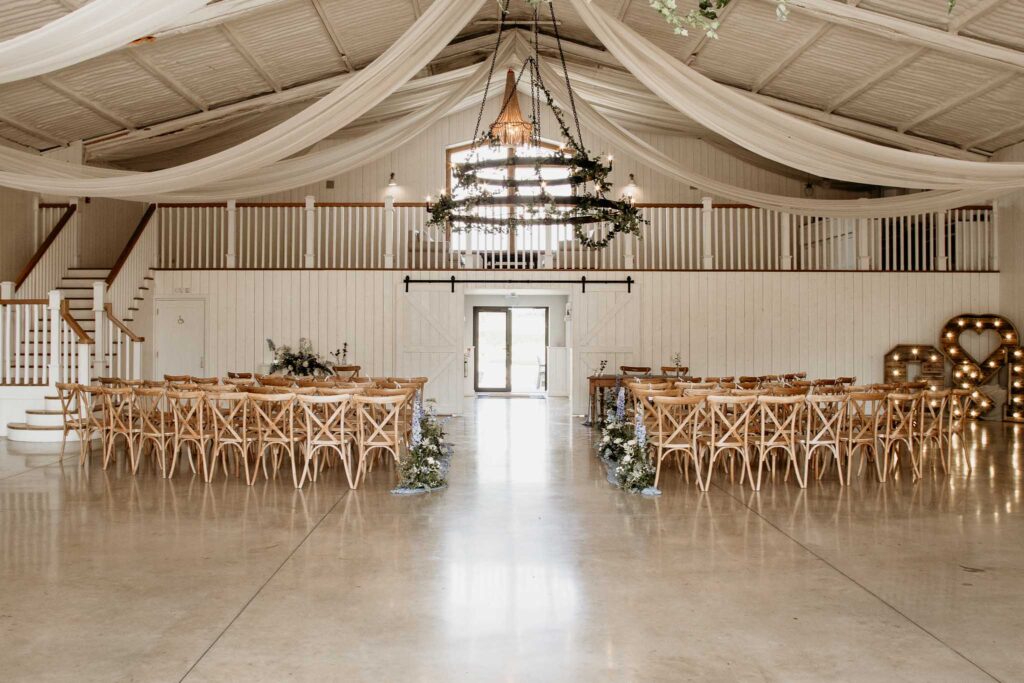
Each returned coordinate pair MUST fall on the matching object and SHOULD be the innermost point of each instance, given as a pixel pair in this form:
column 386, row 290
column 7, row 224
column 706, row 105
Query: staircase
column 45, row 424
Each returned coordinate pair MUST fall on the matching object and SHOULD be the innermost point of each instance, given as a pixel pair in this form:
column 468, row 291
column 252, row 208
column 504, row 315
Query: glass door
column 492, row 339
column 511, row 348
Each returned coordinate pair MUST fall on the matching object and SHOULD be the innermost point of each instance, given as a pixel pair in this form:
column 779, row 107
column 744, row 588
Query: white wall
column 1010, row 220
column 17, row 232
column 106, row 225
column 828, row 324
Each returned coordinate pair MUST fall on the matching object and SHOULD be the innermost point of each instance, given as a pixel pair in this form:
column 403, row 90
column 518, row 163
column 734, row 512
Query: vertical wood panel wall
column 106, row 225
column 720, row 323
column 17, row 228
column 1010, row 222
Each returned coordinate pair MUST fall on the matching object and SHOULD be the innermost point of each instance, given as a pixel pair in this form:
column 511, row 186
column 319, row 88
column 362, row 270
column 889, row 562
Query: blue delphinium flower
column 620, row 405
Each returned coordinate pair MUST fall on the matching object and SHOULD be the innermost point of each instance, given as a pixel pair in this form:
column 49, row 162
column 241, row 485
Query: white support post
column 863, row 244
column 939, row 235
column 37, row 228
column 53, row 343
column 76, row 221
column 84, row 374
column 993, row 231
column 706, row 218
column 99, row 297
column 389, row 231
column 135, row 362
column 6, row 352
column 231, row 257
column 786, row 241
column 310, row 258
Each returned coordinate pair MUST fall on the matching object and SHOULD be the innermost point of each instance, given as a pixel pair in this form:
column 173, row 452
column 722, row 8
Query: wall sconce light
column 391, row 180
column 629, row 191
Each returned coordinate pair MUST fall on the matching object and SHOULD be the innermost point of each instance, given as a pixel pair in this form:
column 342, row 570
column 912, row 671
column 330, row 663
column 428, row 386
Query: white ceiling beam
column 694, row 50
column 29, row 129
column 970, row 14
column 625, row 9
column 216, row 14
column 169, row 81
column 329, row 27
column 901, row 30
column 874, row 79
column 794, row 54
column 949, row 105
column 247, row 54
column 83, row 101
column 977, row 142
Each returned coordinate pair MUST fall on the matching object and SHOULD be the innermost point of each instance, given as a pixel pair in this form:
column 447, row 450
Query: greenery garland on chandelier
column 588, row 176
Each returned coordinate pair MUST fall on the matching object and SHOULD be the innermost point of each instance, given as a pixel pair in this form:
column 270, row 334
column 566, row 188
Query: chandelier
column 494, row 198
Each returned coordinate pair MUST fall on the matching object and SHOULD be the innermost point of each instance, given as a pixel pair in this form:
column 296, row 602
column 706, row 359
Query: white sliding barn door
column 605, row 326
column 429, row 341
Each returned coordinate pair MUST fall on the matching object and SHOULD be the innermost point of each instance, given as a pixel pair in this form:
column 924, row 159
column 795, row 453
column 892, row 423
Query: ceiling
column 906, row 74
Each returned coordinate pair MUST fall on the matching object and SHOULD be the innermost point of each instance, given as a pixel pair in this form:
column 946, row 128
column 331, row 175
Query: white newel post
column 786, row 241
column 53, row 343
column 863, row 228
column 707, row 261
column 389, row 231
column 6, row 354
column 231, row 258
column 84, row 371
column 309, row 261
column 99, row 297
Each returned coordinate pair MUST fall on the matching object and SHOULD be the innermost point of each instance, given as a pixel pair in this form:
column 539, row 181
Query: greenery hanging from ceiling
column 706, row 16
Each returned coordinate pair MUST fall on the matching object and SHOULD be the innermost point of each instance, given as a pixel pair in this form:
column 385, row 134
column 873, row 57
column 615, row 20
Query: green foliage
column 301, row 362
column 426, row 465
column 635, row 471
column 614, row 436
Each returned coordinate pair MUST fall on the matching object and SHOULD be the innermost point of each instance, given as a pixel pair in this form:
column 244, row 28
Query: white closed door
column 179, row 326
column 606, row 326
column 429, row 342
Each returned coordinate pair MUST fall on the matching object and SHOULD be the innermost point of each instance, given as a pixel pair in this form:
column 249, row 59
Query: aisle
column 530, row 567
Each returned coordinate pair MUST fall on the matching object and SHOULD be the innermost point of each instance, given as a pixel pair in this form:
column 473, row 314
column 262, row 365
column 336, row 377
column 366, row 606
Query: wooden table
column 598, row 384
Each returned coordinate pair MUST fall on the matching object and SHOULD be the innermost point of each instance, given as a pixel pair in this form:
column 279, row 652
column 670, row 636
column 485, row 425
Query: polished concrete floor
column 530, row 567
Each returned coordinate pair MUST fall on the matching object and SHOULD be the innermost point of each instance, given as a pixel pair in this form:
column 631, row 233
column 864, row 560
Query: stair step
column 20, row 431
column 79, row 282
column 44, row 418
column 88, row 272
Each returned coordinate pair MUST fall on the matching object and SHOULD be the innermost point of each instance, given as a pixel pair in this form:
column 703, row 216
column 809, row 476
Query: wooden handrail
column 37, row 257
column 641, row 205
column 126, row 252
column 23, row 302
column 109, row 308
column 65, row 314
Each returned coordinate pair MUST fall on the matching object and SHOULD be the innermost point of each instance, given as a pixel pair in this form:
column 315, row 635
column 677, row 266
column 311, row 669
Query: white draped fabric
column 357, row 95
column 346, row 156
column 780, row 136
column 90, row 31
column 919, row 202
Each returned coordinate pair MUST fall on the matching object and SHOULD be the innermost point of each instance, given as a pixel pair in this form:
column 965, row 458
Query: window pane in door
column 492, row 350
column 529, row 349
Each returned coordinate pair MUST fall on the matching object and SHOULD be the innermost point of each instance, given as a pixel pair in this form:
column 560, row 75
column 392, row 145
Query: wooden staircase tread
column 35, row 428
column 44, row 412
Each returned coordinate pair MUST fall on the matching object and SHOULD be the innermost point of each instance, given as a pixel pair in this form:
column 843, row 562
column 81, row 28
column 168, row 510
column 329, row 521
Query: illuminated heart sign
column 969, row 373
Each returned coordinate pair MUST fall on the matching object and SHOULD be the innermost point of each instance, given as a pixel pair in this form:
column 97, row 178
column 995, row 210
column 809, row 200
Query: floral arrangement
column 301, row 362
column 635, row 472
column 340, row 356
column 425, row 468
column 615, row 431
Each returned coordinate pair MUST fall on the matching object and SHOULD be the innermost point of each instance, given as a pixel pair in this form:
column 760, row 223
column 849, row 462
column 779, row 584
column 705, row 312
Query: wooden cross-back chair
column 678, row 422
column 824, row 429
column 95, row 416
column 865, row 420
column 239, row 375
column 346, row 372
column 634, row 370
column 156, row 424
column 189, row 412
column 779, row 419
column 179, row 379
column 72, row 413
column 327, row 428
column 275, row 381
column 960, row 405
column 932, row 424
column 121, row 418
column 380, row 426
column 674, row 371
column 202, row 381
column 273, row 418
column 228, row 414
column 729, row 432
column 901, row 412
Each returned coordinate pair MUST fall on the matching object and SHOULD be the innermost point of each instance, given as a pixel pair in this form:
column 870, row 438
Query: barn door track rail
column 582, row 282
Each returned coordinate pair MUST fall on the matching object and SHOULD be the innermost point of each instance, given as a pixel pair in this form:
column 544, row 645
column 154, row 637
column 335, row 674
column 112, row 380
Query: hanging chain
column 490, row 71
column 565, row 70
